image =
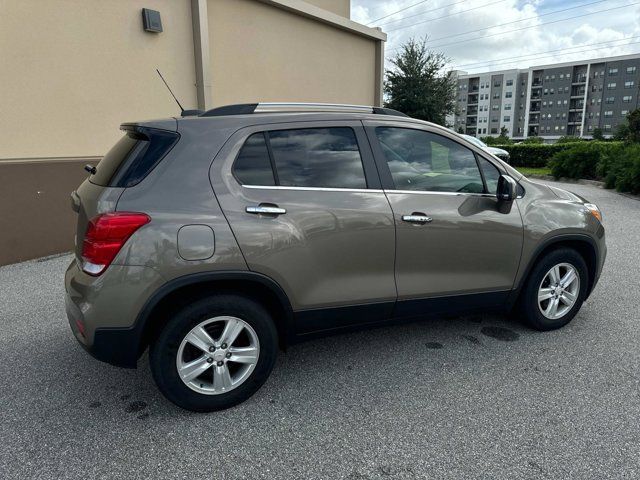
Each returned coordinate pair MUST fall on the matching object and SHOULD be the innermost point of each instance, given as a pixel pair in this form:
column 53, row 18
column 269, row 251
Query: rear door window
column 306, row 157
column 318, row 157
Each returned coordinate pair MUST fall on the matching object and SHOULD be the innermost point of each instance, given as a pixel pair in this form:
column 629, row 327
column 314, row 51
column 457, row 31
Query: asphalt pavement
column 474, row 397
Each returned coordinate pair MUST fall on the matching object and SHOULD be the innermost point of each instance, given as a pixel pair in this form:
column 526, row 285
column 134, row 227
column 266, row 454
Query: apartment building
column 549, row 101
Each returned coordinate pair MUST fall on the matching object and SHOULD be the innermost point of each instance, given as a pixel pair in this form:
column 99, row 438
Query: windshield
column 475, row 141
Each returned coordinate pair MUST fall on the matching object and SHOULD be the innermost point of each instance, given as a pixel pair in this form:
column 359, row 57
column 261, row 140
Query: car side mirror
column 507, row 188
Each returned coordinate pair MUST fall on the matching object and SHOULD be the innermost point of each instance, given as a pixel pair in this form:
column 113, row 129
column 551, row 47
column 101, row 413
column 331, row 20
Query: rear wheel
column 555, row 290
column 214, row 353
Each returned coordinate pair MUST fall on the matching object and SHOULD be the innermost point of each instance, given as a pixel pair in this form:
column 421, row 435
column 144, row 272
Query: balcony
column 578, row 92
column 574, row 130
column 537, row 82
column 575, row 118
column 580, row 80
column 575, row 106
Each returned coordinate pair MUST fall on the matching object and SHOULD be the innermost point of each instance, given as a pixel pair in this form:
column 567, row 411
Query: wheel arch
column 583, row 244
column 179, row 292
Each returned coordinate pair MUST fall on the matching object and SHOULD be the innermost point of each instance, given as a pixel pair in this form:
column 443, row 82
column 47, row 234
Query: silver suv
column 215, row 239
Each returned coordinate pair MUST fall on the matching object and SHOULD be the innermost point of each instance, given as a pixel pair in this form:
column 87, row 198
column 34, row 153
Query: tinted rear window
column 133, row 157
column 112, row 160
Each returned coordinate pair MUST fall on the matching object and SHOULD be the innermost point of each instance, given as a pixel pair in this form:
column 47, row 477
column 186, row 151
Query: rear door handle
column 265, row 209
column 417, row 217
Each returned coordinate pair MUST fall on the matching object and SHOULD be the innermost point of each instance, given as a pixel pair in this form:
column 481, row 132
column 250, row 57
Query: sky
column 484, row 35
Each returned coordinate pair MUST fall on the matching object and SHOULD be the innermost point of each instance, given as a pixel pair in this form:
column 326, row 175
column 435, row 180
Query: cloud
column 509, row 33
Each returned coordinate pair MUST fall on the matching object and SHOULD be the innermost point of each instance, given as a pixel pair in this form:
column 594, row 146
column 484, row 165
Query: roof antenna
column 182, row 110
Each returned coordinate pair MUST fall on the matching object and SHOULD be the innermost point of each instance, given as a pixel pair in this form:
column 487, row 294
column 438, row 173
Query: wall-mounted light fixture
column 151, row 20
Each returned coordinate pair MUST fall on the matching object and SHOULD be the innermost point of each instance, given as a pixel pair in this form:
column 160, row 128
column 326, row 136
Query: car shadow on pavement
column 348, row 365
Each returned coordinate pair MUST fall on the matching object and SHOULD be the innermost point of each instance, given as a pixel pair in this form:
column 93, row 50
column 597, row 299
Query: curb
column 581, row 181
column 594, row 183
column 629, row 195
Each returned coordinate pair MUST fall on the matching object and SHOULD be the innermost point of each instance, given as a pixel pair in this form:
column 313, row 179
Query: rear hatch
column 130, row 160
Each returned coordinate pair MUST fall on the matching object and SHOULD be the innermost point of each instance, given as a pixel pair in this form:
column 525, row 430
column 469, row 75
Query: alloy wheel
column 558, row 291
column 218, row 355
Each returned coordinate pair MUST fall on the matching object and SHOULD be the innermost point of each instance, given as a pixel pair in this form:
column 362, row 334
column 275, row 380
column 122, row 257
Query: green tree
column 418, row 85
column 622, row 132
column 503, row 138
column 460, row 130
column 633, row 120
column 597, row 134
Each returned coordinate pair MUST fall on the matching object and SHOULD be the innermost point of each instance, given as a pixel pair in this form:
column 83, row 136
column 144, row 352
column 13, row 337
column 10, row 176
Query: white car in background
column 498, row 152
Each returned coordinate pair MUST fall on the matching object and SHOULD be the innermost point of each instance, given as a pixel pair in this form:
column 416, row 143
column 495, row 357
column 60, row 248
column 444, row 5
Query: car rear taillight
column 106, row 234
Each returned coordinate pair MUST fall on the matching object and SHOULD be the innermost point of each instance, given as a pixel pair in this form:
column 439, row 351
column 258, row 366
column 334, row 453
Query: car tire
column 541, row 283
column 181, row 350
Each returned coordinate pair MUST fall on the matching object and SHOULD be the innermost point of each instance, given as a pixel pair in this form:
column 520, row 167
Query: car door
column 305, row 204
column 454, row 238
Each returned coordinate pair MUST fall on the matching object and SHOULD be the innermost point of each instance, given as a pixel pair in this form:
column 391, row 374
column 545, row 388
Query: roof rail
column 248, row 108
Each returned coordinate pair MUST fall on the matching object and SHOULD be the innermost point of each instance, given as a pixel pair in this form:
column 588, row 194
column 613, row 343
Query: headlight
column 594, row 210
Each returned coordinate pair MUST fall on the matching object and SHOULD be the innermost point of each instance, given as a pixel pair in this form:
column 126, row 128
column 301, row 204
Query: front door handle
column 417, row 217
column 266, row 210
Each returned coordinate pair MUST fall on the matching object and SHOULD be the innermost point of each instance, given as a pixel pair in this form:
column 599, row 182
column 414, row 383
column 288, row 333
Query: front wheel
column 214, row 353
column 555, row 290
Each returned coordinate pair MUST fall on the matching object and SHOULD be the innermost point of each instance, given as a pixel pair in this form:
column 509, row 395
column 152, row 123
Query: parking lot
column 473, row 397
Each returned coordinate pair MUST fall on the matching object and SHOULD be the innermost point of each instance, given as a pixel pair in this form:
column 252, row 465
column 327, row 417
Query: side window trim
column 272, row 161
column 371, row 174
column 380, row 162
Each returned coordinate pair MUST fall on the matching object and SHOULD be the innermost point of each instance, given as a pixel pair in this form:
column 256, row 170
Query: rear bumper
column 102, row 310
column 116, row 346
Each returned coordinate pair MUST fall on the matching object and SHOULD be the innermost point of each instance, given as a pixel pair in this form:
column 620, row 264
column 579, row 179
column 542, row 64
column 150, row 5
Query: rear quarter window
column 253, row 166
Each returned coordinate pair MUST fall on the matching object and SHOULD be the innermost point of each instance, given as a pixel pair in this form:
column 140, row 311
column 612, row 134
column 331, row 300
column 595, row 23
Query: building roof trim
column 591, row 61
column 305, row 9
column 512, row 71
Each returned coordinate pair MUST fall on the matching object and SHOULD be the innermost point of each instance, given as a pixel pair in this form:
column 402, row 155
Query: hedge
column 617, row 163
column 579, row 161
column 532, row 155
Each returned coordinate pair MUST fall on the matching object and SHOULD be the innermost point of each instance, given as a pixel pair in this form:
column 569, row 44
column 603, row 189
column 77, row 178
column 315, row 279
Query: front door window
column 424, row 161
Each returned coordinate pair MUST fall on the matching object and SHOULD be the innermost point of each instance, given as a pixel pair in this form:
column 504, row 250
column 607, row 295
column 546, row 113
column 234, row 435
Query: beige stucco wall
column 340, row 7
column 72, row 70
column 263, row 53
